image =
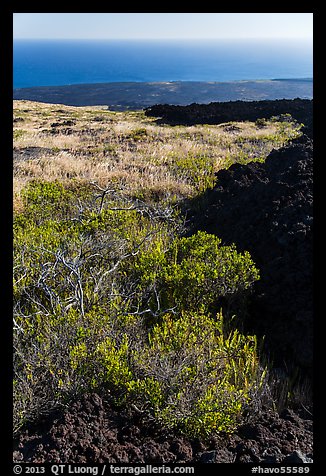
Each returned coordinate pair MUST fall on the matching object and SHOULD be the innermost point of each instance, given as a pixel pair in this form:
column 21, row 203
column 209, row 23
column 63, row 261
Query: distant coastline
column 61, row 62
column 122, row 96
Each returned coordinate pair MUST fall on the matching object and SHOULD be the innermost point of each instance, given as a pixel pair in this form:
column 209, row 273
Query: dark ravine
column 267, row 209
column 138, row 95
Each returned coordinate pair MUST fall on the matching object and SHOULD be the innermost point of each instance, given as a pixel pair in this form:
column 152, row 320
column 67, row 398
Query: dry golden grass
column 127, row 148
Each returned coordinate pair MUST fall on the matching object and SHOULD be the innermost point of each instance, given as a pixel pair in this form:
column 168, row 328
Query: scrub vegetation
column 110, row 294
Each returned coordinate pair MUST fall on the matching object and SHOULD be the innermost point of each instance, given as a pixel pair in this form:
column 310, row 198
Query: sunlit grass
column 130, row 150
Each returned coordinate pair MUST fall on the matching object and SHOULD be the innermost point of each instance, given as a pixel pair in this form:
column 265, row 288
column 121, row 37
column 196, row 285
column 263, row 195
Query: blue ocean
column 62, row 62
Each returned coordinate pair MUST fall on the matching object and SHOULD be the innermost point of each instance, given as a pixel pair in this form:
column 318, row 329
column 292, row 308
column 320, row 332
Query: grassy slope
column 90, row 143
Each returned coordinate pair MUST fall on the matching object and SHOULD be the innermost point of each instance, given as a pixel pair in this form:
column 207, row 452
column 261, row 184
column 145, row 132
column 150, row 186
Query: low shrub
column 194, row 273
column 110, row 298
column 192, row 376
column 198, row 170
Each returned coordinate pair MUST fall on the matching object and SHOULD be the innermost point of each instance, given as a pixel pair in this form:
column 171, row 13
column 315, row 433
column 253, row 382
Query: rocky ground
column 267, row 209
column 220, row 112
column 92, row 431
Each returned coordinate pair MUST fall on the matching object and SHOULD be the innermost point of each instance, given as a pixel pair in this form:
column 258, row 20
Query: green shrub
column 18, row 133
column 195, row 273
column 199, row 170
column 138, row 134
column 110, row 298
column 192, row 377
column 42, row 199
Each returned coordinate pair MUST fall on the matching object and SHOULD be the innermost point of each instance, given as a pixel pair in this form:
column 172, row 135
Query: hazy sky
column 162, row 25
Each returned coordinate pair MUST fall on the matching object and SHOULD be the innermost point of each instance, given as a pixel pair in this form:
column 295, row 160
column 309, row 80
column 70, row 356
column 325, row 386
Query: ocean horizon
column 70, row 62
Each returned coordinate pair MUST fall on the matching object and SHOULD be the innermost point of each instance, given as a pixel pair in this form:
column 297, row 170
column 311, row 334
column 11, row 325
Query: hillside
column 91, row 143
column 140, row 275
